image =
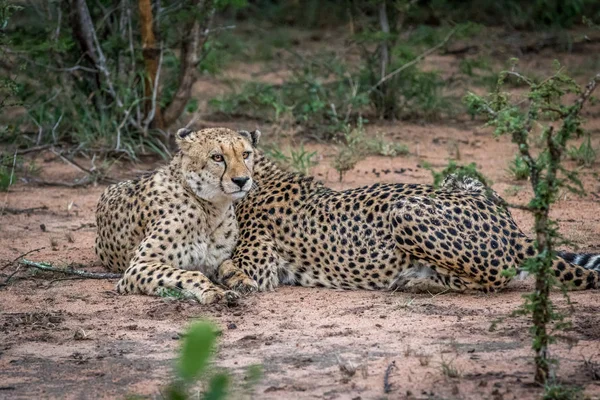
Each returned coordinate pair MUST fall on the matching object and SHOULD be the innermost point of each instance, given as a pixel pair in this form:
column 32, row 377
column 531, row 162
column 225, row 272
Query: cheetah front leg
column 149, row 274
column 258, row 260
column 235, row 279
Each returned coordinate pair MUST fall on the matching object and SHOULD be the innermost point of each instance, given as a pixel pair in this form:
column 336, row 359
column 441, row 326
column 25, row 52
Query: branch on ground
column 84, row 274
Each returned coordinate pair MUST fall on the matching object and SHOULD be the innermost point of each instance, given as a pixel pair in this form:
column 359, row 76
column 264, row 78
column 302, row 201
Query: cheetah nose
column 240, row 181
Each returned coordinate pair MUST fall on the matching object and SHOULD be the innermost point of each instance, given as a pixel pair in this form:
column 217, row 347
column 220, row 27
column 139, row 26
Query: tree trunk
column 542, row 307
column 85, row 33
column 194, row 37
column 151, row 60
column 80, row 18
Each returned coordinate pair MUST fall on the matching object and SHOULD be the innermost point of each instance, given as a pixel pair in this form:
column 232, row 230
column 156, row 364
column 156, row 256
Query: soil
column 62, row 337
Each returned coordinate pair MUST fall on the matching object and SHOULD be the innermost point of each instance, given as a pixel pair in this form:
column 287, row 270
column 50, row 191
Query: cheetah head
column 217, row 163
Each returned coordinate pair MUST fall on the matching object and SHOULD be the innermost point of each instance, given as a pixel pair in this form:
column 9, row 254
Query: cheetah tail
column 587, row 261
column 578, row 271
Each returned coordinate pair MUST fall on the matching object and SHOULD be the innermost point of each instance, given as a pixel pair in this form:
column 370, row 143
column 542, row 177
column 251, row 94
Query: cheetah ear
column 183, row 133
column 253, row 136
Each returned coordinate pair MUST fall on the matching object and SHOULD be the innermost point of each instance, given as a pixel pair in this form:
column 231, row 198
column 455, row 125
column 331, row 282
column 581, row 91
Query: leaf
column 253, row 375
column 217, row 388
column 196, row 350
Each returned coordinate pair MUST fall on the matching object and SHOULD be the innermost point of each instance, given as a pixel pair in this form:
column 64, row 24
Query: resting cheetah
column 176, row 226
column 294, row 230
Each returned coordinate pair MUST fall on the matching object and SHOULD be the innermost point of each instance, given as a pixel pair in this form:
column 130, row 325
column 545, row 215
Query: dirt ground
column 78, row 339
column 62, row 337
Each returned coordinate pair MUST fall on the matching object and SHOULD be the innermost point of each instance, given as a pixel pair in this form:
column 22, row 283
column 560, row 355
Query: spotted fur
column 175, row 228
column 294, row 230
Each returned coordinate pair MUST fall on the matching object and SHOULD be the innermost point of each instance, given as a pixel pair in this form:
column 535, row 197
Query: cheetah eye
column 246, row 154
column 217, row 157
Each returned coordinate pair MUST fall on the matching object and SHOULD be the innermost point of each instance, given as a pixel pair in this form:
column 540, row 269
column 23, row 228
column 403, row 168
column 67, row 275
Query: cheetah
column 294, row 230
column 175, row 228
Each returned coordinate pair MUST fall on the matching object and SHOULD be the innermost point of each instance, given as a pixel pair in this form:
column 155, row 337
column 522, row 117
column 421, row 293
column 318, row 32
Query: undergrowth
column 299, row 160
column 542, row 107
column 194, row 368
column 355, row 145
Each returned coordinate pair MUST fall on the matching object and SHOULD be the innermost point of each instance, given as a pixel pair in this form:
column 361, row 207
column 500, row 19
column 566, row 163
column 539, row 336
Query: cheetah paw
column 243, row 285
column 232, row 298
column 228, row 297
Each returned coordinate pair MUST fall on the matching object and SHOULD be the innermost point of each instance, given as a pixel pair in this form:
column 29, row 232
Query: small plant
column 298, row 160
column 349, row 151
column 584, row 154
column 382, row 147
column 449, row 370
column 513, row 190
column 517, row 118
column 355, row 146
column 460, row 171
column 561, row 392
column 518, row 168
column 302, row 160
column 194, row 364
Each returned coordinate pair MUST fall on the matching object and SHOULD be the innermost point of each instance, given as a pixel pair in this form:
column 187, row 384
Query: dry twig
column 387, row 386
column 16, row 211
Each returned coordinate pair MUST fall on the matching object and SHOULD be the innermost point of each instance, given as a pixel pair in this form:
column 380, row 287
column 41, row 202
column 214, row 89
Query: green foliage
column 449, row 370
column 95, row 102
column 397, row 87
column 561, row 392
column 382, row 147
column 511, row 13
column 461, row 171
column 298, row 160
column 542, row 106
column 355, row 146
column 584, row 154
column 7, row 171
column 194, row 362
column 350, row 151
column 196, row 349
column 518, row 168
column 321, row 95
column 470, row 66
column 326, row 92
column 8, row 85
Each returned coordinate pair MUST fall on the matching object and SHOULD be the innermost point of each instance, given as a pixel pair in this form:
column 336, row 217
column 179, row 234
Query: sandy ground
column 78, row 339
column 70, row 338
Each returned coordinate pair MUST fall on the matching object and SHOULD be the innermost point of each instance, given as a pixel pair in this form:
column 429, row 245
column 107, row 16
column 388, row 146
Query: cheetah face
column 217, row 163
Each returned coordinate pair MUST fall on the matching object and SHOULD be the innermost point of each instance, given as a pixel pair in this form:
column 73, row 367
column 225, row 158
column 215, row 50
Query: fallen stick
column 84, row 274
column 387, row 386
column 16, row 211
